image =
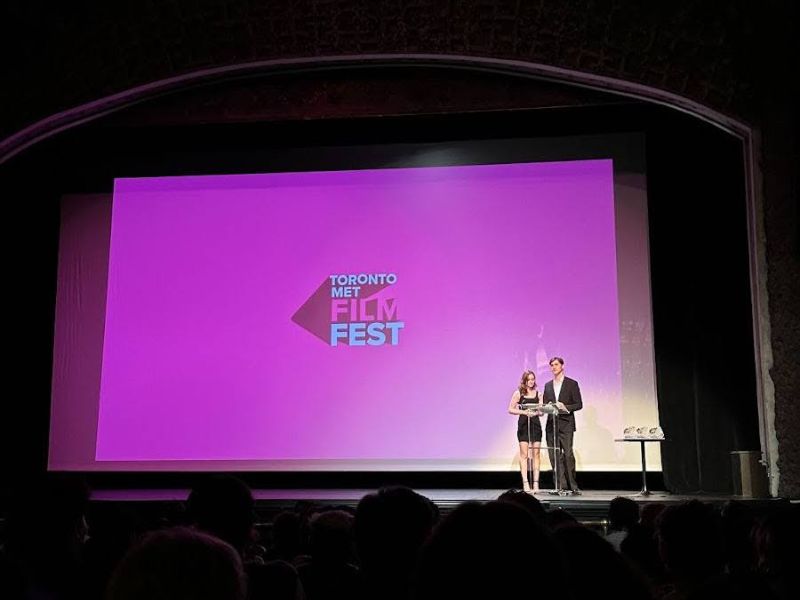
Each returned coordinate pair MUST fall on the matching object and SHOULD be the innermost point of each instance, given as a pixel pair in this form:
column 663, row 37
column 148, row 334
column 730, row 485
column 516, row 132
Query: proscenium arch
column 86, row 113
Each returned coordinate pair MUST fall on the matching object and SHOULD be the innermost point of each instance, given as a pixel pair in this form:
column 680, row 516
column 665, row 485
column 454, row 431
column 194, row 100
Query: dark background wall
column 739, row 58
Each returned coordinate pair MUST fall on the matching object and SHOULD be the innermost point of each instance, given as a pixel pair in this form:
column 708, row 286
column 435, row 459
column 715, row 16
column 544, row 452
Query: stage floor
column 591, row 506
column 353, row 495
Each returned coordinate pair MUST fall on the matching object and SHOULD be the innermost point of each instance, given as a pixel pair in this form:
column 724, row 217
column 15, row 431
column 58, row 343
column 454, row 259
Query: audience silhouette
column 56, row 545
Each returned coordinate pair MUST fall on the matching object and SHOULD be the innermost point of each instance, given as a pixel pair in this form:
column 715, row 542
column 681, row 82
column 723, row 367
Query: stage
column 591, row 507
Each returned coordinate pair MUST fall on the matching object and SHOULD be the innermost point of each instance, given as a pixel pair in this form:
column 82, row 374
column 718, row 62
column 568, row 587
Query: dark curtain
column 703, row 334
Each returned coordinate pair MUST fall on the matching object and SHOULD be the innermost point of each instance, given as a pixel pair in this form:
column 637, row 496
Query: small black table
column 642, row 441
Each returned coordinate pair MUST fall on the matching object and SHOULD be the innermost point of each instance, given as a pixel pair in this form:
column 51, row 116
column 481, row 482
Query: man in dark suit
column 566, row 395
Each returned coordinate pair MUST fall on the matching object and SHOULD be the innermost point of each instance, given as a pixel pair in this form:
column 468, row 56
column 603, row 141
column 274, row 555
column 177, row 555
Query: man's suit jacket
column 570, row 396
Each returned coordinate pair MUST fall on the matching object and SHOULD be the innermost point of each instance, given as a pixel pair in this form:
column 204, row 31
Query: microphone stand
column 552, row 410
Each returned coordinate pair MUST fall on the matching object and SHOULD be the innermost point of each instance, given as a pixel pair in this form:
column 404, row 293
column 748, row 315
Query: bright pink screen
column 354, row 319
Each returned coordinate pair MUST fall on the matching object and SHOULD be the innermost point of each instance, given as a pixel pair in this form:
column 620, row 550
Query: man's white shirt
column 557, row 387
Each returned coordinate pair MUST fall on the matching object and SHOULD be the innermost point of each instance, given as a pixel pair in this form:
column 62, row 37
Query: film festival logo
column 348, row 309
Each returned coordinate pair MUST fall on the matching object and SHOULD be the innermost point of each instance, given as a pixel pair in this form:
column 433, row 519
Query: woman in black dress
column 529, row 441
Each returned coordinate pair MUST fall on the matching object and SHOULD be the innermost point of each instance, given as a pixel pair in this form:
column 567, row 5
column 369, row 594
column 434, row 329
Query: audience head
column 558, row 517
column 179, row 564
column 332, row 537
column 526, row 501
column 48, row 514
column 649, row 513
column 391, row 525
column 623, row 513
column 287, row 535
column 273, row 580
column 485, row 550
column 775, row 537
column 223, row 506
column 596, row 569
column 689, row 540
column 44, row 537
column 737, row 524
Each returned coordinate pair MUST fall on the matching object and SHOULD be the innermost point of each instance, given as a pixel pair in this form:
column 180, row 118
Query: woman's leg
column 535, row 486
column 523, row 465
